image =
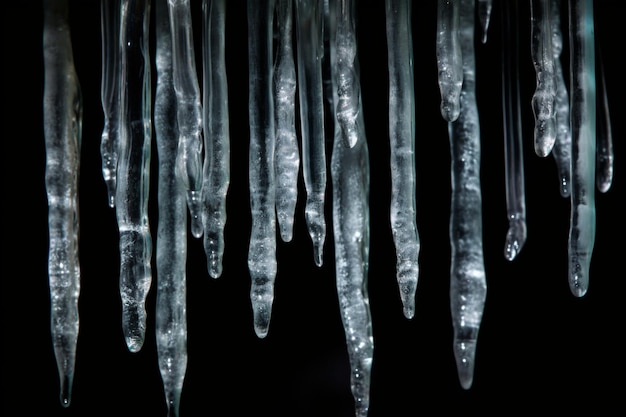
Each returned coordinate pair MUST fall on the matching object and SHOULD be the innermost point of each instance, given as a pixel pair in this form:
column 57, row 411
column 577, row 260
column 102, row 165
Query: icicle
column 484, row 15
column 189, row 159
column 350, row 180
column 583, row 121
column 402, row 137
column 309, row 14
column 262, row 250
column 110, row 92
column 513, row 149
column 62, row 112
column 449, row 58
column 216, row 134
column 543, row 59
column 133, row 176
column 468, row 285
column 287, row 152
column 563, row 145
column 171, row 243
column 604, row 157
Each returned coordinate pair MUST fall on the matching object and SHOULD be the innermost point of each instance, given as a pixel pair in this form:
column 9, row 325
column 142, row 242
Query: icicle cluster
column 193, row 145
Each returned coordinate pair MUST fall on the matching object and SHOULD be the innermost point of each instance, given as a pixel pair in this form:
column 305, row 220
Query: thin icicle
column 350, row 179
column 484, row 15
column 216, row 133
column 262, row 249
column 562, row 150
column 468, row 287
column 309, row 24
column 189, row 159
column 604, row 157
column 543, row 101
column 171, row 242
column 62, row 113
column 513, row 149
column 583, row 120
column 133, row 175
column 449, row 58
column 287, row 152
column 110, row 91
column 402, row 143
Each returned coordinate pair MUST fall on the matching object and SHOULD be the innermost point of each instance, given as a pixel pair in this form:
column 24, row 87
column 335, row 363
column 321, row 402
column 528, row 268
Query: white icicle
column 484, row 15
column 171, row 242
column 216, row 133
column 133, row 175
column 513, row 144
column 583, row 121
column 449, row 58
column 309, row 24
column 468, row 285
column 189, row 159
column 543, row 100
column 287, row 152
column 402, row 143
column 62, row 113
column 110, row 92
column 262, row 249
column 562, row 150
column 350, row 179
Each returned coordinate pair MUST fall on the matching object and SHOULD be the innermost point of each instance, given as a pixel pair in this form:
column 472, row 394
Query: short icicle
column 403, row 209
column 62, row 115
column 449, row 58
column 171, row 241
column 468, row 286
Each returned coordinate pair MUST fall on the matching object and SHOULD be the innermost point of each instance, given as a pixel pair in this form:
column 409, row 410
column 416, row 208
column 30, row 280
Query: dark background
column 541, row 351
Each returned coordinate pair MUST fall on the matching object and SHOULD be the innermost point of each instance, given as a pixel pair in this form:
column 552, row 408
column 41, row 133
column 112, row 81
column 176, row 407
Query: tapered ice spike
column 62, row 116
column 449, row 58
column 484, row 16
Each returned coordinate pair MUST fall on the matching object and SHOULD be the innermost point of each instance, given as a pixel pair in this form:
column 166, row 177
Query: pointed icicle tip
column 65, row 394
column 465, row 354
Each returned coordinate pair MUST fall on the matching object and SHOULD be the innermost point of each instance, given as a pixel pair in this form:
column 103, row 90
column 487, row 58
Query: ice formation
column 193, row 144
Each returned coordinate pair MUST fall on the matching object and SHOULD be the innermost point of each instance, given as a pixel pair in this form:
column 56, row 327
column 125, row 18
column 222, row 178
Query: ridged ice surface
column 62, row 115
column 171, row 241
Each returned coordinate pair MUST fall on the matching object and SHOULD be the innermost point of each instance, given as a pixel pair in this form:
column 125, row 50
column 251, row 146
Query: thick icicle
column 604, row 157
column 449, row 58
column 583, row 121
column 513, row 149
column 216, row 133
column 133, row 175
column 543, row 101
column 309, row 24
column 350, row 185
column 171, row 242
column 110, row 92
column 262, row 249
column 484, row 15
column 468, row 287
column 62, row 113
column 563, row 145
column 287, row 152
column 402, row 143
column 347, row 106
column 189, row 159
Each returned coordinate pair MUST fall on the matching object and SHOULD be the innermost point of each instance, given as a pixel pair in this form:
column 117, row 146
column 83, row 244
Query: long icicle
column 309, row 25
column 350, row 174
column 189, row 159
column 604, row 157
column 133, row 175
column 110, row 91
column 216, row 170
column 62, row 114
column 468, row 286
column 171, row 242
column 262, row 248
column 403, row 209
column 513, row 149
column 287, row 158
column 583, row 121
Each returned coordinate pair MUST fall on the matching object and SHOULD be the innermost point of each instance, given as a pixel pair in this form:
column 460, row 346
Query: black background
column 541, row 351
